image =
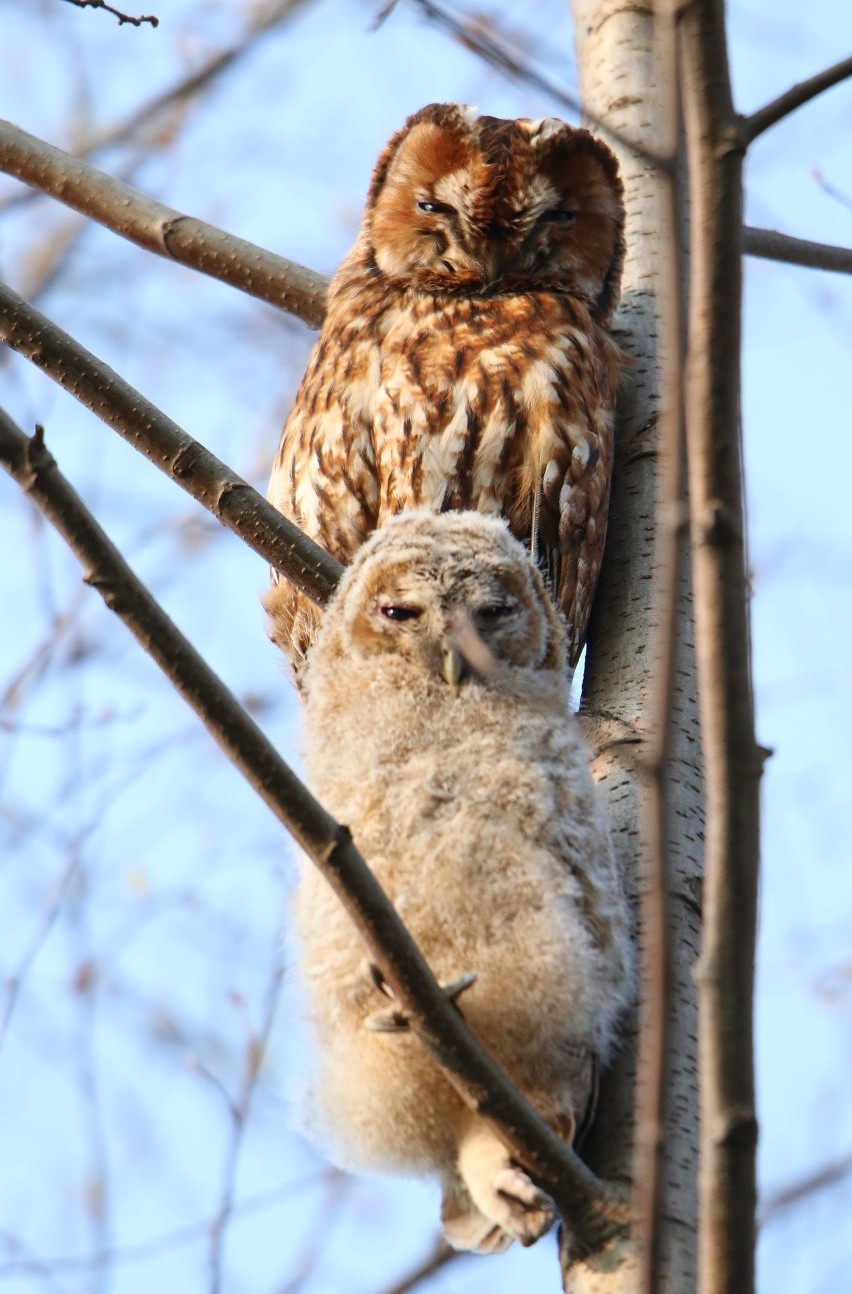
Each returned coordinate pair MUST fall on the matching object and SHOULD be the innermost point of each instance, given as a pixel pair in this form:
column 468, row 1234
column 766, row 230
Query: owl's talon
column 458, row 986
column 376, row 978
column 394, row 1019
column 389, row 1020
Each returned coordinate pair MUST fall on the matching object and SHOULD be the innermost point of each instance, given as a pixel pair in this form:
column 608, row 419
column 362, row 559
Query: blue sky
column 141, row 990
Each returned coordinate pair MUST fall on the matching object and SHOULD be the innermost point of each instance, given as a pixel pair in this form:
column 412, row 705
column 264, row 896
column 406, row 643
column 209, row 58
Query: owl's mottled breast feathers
column 465, row 359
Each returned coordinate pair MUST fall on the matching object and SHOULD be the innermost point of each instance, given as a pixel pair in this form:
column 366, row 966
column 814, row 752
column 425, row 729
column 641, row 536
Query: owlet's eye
column 435, row 208
column 398, row 611
column 496, row 611
column 561, row 216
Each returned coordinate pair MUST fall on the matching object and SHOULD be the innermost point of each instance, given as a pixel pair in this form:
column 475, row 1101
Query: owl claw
column 393, row 1019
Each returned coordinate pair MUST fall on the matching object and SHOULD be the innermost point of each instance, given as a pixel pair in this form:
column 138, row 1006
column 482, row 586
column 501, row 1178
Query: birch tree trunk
column 615, row 51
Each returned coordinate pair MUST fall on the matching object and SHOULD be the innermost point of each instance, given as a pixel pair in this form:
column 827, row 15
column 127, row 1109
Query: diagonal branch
column 471, row 35
column 786, row 1197
column 796, row 97
column 159, row 229
column 231, row 499
column 772, row 246
column 594, row 1208
column 261, row 23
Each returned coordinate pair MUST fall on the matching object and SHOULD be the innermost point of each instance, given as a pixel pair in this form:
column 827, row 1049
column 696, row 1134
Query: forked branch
column 122, row 17
column 594, row 1209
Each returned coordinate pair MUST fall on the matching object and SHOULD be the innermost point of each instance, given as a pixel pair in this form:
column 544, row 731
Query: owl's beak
column 464, row 655
column 493, row 266
column 453, row 666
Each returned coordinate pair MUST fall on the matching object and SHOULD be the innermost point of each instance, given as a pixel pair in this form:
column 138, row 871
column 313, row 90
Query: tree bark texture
column 732, row 761
column 615, row 50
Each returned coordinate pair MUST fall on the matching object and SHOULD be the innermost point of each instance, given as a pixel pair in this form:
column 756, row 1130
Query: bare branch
column 796, row 97
column 732, row 762
column 831, row 190
column 595, row 1209
column 231, row 499
column 500, row 56
column 772, row 246
column 16, row 980
column 256, row 1043
column 261, row 23
column 159, row 229
column 497, row 54
column 787, row 1197
column 122, row 17
column 145, row 1250
column 441, row 1255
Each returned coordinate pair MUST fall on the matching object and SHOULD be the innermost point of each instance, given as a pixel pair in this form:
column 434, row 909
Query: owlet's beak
column 464, row 654
column 453, row 666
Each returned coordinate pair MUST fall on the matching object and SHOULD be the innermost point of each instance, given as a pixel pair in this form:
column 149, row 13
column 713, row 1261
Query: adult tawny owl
column 437, row 726
column 465, row 361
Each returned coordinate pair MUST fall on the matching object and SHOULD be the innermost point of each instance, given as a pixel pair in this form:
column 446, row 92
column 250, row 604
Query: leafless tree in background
column 661, row 683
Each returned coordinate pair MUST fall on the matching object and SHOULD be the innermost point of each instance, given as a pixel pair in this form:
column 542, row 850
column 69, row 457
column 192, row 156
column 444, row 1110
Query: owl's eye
column 496, row 610
column 436, row 208
column 398, row 611
column 561, row 216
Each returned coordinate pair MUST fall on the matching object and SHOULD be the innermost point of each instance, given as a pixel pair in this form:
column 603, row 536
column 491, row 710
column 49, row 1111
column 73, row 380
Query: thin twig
column 831, row 190
column 595, row 1208
column 122, row 17
column 145, row 1250
column 160, row 229
column 732, row 761
column 261, row 24
column 787, row 1197
column 442, row 1255
column 15, row 981
column 87, row 988
column 315, row 1241
column 178, row 95
column 796, row 97
column 772, row 246
column 231, row 499
column 256, row 1044
column 501, row 57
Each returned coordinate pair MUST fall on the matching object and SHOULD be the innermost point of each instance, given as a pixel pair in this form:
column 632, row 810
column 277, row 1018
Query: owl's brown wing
column 582, row 1068
column 324, row 476
column 571, row 502
column 569, row 527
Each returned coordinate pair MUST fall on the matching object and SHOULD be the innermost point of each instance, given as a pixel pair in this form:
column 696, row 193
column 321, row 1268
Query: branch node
column 738, row 1128
column 717, row 526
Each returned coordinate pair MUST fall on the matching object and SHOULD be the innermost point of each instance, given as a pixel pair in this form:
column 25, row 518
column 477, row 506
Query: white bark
column 615, row 55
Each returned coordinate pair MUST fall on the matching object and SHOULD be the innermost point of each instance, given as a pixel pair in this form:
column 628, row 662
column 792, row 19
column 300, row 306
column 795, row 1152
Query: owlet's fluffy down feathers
column 437, row 726
column 465, row 359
